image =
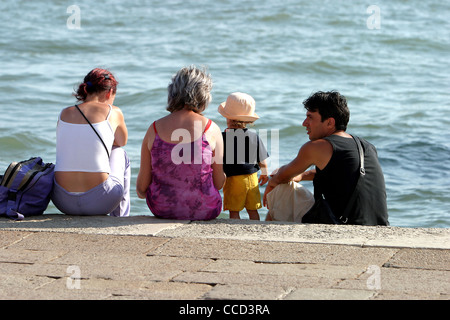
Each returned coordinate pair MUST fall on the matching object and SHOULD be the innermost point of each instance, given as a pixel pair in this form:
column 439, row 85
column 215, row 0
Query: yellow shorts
column 242, row 192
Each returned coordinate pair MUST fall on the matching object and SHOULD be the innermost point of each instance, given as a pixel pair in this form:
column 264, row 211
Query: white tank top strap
column 109, row 113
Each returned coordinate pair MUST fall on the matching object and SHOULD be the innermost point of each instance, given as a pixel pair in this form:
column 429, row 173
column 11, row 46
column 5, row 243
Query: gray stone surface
column 61, row 257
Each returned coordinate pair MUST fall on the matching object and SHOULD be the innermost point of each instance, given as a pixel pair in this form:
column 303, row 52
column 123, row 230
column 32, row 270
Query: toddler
column 244, row 155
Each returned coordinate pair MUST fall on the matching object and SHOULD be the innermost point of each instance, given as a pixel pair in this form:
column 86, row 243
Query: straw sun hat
column 239, row 106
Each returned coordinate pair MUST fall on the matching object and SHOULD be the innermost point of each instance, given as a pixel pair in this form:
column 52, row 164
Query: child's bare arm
column 263, row 177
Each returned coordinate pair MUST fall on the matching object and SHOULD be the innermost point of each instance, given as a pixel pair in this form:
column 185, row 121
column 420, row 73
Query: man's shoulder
column 318, row 152
column 319, row 144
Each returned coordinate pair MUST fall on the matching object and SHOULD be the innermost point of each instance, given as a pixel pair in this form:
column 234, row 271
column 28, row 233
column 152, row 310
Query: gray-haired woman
column 178, row 174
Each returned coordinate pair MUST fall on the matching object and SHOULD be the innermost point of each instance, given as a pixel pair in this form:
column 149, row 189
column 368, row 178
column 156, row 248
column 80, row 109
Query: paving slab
column 232, row 291
column 275, row 252
column 329, row 294
column 141, row 257
column 432, row 259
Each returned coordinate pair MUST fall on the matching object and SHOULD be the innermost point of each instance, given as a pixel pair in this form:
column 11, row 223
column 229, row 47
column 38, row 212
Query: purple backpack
column 25, row 188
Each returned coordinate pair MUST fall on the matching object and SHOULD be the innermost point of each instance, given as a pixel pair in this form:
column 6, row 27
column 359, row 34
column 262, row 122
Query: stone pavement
column 141, row 257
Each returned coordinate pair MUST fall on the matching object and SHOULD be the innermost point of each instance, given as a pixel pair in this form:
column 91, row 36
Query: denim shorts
column 100, row 200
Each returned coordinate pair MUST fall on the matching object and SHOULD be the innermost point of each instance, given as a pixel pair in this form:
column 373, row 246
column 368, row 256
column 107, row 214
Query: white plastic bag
column 289, row 202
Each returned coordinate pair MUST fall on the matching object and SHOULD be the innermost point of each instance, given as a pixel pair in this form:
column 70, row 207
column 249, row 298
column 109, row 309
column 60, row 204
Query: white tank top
column 78, row 148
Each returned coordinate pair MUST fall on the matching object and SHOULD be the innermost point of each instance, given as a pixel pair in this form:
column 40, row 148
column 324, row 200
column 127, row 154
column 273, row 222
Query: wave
column 24, row 141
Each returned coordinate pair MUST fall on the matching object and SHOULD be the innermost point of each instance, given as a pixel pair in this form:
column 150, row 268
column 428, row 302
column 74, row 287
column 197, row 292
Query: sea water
column 389, row 58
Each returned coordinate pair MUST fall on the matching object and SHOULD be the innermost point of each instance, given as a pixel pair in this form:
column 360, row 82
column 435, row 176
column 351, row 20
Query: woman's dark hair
column 329, row 104
column 96, row 81
column 190, row 89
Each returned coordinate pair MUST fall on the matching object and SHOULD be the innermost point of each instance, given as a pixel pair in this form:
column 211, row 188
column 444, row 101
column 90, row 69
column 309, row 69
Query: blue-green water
column 390, row 61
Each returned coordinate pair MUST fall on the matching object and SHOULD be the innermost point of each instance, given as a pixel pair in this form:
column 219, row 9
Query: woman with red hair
column 92, row 171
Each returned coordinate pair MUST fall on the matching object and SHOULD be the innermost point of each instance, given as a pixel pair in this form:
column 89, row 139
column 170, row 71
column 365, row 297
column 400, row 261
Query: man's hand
column 270, row 187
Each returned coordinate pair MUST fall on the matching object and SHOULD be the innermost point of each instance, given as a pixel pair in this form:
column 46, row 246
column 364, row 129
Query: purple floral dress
column 183, row 190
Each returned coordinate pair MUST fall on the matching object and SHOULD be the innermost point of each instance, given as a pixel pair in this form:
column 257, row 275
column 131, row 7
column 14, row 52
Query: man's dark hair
column 329, row 104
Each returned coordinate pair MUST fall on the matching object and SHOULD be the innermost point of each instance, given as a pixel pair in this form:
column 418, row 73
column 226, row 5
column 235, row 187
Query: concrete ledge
column 103, row 225
column 55, row 256
column 432, row 238
column 363, row 236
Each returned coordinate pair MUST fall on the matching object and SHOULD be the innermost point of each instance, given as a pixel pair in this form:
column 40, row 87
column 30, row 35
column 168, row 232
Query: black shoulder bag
column 321, row 211
column 93, row 129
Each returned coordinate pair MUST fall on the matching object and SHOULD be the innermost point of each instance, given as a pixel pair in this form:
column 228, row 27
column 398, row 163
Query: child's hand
column 263, row 178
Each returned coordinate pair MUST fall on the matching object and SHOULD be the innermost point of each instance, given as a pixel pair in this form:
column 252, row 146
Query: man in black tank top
column 353, row 198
